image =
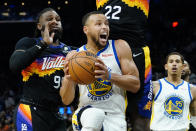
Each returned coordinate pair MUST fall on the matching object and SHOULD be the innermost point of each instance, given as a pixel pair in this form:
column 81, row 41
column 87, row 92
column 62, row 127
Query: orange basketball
column 82, row 67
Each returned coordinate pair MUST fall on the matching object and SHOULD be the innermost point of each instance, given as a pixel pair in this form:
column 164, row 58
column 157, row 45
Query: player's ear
column 85, row 29
column 166, row 67
column 189, row 71
column 39, row 26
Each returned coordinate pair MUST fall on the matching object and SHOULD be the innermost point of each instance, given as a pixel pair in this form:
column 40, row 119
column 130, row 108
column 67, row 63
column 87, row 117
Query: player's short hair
column 175, row 53
column 85, row 17
column 186, row 62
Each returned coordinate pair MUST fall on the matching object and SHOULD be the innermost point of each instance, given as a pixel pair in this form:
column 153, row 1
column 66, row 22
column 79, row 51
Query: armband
column 110, row 75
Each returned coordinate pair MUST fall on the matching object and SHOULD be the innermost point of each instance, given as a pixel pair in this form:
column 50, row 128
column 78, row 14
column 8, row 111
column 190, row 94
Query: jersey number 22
column 112, row 12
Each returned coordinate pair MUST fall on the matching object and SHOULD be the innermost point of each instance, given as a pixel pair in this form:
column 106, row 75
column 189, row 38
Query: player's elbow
column 136, row 87
column 13, row 67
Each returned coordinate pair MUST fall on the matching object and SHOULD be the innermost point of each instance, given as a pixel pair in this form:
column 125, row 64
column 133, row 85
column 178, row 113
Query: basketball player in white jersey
column 102, row 104
column 173, row 98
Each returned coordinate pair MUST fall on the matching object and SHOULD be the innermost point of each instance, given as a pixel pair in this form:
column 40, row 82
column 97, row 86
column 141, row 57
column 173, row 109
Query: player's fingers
column 52, row 35
column 100, row 61
column 101, row 67
column 101, row 72
column 46, row 30
column 66, row 63
column 100, row 76
column 70, row 54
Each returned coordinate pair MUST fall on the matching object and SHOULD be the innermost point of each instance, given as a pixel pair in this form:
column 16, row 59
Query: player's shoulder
column 121, row 44
column 25, row 42
column 122, row 47
column 155, row 83
column 193, row 90
column 192, row 86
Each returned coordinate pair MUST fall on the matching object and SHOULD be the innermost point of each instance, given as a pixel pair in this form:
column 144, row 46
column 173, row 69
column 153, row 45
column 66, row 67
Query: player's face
column 174, row 65
column 186, row 70
column 98, row 29
column 53, row 21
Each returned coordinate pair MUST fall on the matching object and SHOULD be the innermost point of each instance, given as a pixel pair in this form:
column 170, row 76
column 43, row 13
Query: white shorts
column 89, row 118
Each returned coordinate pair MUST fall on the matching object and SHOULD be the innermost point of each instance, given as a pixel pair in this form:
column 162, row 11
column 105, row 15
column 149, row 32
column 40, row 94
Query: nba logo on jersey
column 174, row 106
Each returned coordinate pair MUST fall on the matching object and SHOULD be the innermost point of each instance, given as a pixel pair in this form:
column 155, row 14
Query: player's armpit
column 156, row 87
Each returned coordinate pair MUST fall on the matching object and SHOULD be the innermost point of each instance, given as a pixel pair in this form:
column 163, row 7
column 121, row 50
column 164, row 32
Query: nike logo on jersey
column 49, row 62
column 135, row 55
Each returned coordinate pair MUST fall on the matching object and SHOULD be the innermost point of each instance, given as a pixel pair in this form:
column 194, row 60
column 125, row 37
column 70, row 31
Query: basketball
column 82, row 67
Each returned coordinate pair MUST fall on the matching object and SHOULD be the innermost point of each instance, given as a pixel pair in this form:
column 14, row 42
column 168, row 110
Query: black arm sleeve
column 26, row 51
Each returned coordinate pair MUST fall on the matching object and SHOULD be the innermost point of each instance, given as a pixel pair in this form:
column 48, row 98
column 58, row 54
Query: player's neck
column 175, row 80
column 94, row 49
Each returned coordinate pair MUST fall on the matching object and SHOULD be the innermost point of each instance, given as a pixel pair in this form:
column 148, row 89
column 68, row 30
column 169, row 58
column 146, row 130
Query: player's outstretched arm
column 67, row 91
column 129, row 80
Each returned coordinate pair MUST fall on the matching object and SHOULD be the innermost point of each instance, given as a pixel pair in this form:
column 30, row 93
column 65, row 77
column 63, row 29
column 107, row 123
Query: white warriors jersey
column 170, row 109
column 103, row 94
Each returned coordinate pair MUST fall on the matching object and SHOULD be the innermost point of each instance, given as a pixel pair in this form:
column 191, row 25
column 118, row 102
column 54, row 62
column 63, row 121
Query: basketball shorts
column 93, row 118
column 29, row 118
column 143, row 99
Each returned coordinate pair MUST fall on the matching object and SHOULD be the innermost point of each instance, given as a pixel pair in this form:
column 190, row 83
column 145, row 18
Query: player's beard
column 183, row 76
column 57, row 34
column 96, row 41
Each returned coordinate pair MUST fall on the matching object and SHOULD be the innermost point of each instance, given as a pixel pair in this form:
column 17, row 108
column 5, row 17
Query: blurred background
column 171, row 27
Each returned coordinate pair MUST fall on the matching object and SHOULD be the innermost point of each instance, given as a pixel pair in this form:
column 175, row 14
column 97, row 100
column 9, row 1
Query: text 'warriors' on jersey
column 100, row 89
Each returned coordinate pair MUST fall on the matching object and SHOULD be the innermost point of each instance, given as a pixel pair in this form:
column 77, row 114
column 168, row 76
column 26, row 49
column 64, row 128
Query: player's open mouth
column 174, row 69
column 103, row 37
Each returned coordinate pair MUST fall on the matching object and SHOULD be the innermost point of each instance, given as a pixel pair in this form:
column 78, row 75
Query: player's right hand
column 47, row 37
column 66, row 66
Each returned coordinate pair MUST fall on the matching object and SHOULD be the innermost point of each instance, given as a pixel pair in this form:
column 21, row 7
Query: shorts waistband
column 40, row 105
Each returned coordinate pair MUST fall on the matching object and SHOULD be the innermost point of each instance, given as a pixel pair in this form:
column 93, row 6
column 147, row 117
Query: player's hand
column 66, row 66
column 47, row 37
column 101, row 71
column 70, row 54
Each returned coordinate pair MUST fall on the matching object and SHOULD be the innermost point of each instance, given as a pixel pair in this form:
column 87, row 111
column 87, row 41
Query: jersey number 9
column 57, row 81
